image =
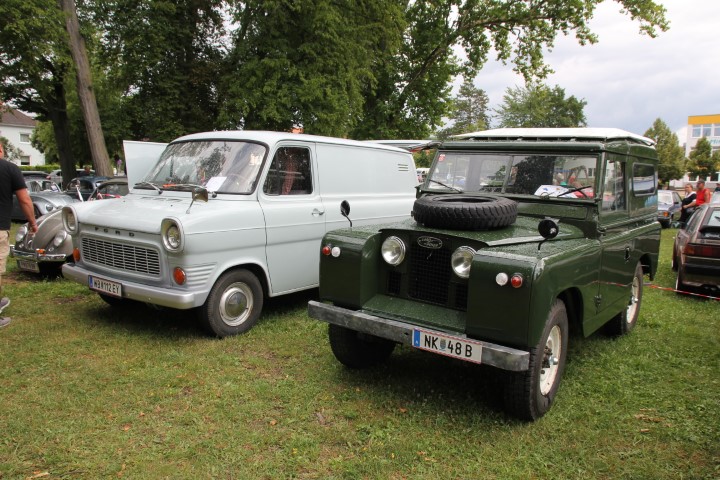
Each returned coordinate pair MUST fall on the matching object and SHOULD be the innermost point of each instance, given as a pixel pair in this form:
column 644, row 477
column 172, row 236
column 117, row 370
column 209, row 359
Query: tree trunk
column 88, row 103
column 57, row 114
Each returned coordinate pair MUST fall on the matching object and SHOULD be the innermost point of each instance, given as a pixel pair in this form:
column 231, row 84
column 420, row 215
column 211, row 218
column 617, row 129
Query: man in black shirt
column 11, row 182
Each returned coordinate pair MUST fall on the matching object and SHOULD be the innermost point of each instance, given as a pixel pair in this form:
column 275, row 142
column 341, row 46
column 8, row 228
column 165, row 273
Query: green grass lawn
column 87, row 391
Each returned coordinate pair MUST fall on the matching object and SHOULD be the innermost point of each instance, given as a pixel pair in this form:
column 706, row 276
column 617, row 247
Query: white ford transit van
column 225, row 219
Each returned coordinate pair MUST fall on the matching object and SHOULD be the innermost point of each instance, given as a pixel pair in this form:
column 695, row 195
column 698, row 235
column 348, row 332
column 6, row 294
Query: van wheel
column 464, row 212
column 529, row 394
column 358, row 350
column 234, row 304
column 625, row 321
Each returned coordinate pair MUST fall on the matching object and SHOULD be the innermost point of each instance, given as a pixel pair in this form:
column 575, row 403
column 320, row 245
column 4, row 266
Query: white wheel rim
column 236, row 304
column 634, row 298
column 551, row 360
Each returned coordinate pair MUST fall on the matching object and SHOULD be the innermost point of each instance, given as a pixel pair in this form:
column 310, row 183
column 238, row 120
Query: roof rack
column 555, row 134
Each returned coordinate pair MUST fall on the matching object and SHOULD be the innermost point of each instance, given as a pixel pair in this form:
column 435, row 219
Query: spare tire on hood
column 465, row 212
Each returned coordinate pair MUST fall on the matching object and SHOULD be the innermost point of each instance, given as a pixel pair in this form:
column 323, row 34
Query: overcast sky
column 628, row 79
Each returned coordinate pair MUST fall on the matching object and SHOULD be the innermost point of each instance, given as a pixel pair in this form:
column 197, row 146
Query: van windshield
column 562, row 176
column 218, row 165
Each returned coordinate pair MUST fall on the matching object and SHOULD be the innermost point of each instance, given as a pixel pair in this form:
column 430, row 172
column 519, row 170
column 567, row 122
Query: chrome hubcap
column 236, row 304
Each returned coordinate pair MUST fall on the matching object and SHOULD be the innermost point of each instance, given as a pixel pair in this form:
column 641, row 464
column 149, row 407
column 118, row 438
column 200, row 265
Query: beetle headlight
column 20, row 234
column 172, row 236
column 59, row 238
column 393, row 250
column 69, row 220
column 461, row 260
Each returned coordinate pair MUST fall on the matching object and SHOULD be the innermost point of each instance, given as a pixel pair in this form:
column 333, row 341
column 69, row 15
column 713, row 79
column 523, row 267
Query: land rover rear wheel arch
column 464, row 212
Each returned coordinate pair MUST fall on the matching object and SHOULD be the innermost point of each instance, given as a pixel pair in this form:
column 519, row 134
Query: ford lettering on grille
column 430, row 242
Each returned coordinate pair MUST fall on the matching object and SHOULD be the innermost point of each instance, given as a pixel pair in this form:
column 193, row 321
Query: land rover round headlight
column 461, row 260
column 20, row 234
column 69, row 220
column 393, row 250
column 172, row 235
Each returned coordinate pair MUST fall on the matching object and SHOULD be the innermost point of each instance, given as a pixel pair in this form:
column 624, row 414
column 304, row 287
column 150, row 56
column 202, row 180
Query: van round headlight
column 461, row 260
column 172, row 235
column 69, row 220
column 393, row 250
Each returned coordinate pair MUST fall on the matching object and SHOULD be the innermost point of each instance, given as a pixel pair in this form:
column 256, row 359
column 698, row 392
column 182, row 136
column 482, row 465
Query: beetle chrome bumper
column 493, row 354
column 37, row 257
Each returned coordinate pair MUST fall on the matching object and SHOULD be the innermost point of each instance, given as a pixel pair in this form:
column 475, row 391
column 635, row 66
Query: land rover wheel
column 625, row 321
column 234, row 304
column 465, row 212
column 529, row 394
column 358, row 350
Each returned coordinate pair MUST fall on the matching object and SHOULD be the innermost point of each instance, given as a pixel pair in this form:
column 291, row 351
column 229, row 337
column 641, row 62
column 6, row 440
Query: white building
column 18, row 128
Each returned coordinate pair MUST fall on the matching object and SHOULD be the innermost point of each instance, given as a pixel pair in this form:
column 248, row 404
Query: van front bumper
column 140, row 292
column 499, row 356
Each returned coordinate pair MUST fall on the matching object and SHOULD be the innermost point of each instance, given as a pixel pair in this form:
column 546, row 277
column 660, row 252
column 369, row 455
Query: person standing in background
column 11, row 182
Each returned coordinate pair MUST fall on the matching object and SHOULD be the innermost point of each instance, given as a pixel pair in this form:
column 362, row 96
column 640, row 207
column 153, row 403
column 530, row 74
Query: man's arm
column 27, row 207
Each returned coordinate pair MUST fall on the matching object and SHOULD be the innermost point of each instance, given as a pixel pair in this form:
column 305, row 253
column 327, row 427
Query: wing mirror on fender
column 548, row 229
column 198, row 193
column 345, row 210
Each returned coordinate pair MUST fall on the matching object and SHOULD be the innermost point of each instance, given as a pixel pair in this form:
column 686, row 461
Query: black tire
column 529, row 394
column 465, row 212
column 625, row 321
column 234, row 304
column 674, row 264
column 680, row 287
column 358, row 350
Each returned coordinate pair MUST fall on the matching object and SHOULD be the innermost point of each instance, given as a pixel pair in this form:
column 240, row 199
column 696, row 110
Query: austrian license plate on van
column 105, row 286
column 447, row 345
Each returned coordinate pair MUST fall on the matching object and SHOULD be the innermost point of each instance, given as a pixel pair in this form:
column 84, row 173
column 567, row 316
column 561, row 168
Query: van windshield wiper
column 446, row 186
column 145, row 184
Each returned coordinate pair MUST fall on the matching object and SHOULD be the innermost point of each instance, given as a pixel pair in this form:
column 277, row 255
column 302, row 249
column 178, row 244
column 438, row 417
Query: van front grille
column 121, row 256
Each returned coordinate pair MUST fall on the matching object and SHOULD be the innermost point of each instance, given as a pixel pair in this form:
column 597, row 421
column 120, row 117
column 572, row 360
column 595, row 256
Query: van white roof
column 579, row 134
column 270, row 138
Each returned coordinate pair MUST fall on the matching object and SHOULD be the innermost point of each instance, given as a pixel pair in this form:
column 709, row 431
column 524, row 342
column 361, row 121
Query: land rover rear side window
column 614, row 190
column 644, row 179
column 290, row 172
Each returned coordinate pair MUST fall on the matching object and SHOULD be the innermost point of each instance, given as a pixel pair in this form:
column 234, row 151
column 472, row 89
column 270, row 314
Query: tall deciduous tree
column 35, row 65
column 469, row 111
column 702, row 163
column 538, row 105
column 671, row 155
column 165, row 58
column 408, row 96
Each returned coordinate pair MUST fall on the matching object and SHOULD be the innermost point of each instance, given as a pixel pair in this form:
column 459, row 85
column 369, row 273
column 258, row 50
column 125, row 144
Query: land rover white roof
column 578, row 134
column 271, row 138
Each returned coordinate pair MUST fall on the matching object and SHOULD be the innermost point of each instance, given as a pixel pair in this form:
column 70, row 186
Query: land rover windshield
column 561, row 176
column 220, row 166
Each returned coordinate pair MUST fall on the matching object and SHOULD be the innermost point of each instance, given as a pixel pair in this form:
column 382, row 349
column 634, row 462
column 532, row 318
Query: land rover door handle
column 316, row 212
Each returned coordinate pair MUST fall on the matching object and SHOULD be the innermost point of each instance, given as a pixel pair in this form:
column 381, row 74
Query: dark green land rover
column 516, row 237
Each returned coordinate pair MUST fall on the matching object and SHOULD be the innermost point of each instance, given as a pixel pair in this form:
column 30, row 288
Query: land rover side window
column 220, row 166
column 644, row 179
column 614, row 187
column 290, row 172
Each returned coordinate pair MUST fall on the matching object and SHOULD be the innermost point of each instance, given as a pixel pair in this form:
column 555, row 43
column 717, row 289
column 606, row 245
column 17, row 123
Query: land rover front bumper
column 499, row 356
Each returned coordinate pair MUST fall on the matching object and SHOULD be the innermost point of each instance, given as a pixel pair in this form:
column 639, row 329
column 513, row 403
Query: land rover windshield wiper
column 577, row 189
column 149, row 184
column 446, row 186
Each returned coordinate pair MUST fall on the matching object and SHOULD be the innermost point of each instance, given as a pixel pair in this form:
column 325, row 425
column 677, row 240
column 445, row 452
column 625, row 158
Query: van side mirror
column 198, row 193
column 345, row 210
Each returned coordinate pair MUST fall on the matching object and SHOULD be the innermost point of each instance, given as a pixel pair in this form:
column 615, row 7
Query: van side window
column 614, row 189
column 290, row 172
